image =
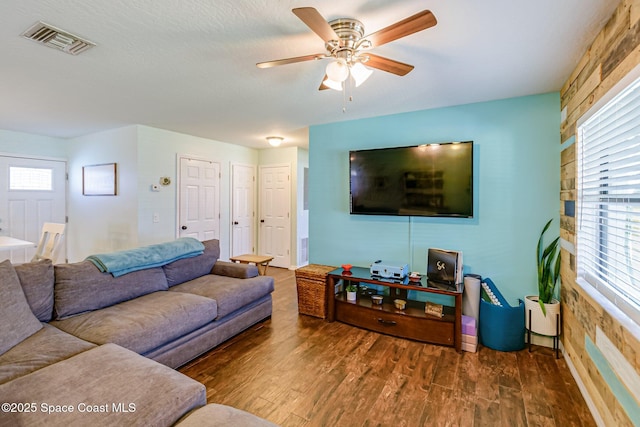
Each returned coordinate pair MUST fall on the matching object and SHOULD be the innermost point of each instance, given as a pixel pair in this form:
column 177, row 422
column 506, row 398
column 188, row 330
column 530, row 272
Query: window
column 608, row 223
column 21, row 178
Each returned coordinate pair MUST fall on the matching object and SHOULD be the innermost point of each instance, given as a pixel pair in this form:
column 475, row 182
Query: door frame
column 179, row 157
column 255, row 203
column 64, row 252
column 291, row 211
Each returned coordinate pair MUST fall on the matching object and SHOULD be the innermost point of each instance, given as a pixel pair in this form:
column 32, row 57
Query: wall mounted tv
column 423, row 180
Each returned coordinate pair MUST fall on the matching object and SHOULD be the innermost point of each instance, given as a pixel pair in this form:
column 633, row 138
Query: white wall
column 143, row 154
column 100, row 224
column 32, row 145
column 157, row 156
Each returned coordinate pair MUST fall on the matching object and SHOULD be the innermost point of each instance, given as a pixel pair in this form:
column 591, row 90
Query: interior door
column 275, row 221
column 32, row 192
column 199, row 199
column 243, row 184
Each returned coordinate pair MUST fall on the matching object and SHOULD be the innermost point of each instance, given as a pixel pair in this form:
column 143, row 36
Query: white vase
column 351, row 296
column 540, row 324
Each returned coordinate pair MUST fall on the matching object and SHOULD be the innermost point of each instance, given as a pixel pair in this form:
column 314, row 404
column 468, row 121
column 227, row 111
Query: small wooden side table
column 259, row 260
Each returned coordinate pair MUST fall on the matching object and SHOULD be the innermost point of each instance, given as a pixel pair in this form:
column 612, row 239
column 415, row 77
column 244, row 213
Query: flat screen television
column 423, row 180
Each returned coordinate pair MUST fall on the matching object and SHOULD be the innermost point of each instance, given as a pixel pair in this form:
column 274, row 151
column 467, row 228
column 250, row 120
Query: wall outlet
column 156, row 217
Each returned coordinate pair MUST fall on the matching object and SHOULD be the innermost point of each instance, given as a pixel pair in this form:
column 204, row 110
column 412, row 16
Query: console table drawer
column 424, row 329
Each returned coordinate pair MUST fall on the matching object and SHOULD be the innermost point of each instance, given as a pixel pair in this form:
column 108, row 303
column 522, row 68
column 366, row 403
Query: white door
column 243, row 184
column 275, row 221
column 199, row 199
column 32, row 192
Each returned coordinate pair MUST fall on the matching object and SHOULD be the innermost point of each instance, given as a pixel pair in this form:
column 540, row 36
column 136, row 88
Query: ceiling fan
column 348, row 47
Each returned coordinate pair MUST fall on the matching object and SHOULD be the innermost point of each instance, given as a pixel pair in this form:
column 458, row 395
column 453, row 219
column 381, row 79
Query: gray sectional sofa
column 81, row 347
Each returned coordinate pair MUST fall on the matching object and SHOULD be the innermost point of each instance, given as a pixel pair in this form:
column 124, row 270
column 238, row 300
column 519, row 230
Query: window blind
column 608, row 226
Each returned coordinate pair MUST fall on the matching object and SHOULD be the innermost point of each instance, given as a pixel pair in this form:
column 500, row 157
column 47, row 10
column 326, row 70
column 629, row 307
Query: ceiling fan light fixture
column 337, row 70
column 275, row 141
column 332, row 84
column 345, row 43
column 360, row 73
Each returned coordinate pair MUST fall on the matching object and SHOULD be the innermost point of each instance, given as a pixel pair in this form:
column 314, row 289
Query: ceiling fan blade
column 316, row 22
column 270, row 64
column 388, row 65
column 418, row 22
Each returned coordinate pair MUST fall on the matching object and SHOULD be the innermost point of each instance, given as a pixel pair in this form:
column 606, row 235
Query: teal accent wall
column 516, row 190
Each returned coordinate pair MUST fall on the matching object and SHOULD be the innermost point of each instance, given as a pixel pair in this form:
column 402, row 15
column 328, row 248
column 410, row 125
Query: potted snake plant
column 543, row 307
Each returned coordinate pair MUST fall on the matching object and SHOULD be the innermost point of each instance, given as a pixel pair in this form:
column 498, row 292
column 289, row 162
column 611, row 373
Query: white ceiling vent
column 56, row 38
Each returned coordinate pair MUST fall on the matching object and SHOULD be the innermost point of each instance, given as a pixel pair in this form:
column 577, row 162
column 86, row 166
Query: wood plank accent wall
column 613, row 53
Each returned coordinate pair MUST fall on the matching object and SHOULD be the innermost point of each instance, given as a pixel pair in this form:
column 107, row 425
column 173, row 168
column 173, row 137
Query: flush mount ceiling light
column 55, row 38
column 275, row 141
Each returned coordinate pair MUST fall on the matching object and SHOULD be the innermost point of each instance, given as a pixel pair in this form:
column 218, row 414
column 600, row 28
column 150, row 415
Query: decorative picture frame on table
column 99, row 180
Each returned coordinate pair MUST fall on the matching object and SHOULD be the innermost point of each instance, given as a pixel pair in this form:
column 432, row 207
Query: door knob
column 262, row 220
column 184, row 227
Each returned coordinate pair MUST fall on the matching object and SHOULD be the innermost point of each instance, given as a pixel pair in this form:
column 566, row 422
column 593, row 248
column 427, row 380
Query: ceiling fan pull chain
column 344, row 97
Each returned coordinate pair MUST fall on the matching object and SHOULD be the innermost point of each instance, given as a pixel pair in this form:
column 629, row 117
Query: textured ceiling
column 189, row 65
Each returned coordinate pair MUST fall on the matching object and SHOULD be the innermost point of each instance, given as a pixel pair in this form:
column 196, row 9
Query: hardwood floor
column 296, row 370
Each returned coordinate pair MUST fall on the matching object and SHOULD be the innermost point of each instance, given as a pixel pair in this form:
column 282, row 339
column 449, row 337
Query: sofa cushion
column 233, row 269
column 47, row 346
column 82, row 287
column 186, row 269
column 37, row 282
column 106, row 386
column 229, row 292
column 215, row 414
column 17, row 321
column 144, row 323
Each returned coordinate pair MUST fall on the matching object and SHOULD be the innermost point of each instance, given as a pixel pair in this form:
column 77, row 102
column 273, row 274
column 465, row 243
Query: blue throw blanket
column 123, row 262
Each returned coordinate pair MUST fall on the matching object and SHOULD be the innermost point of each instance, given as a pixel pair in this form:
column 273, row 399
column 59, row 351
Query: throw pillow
column 17, row 321
column 37, row 282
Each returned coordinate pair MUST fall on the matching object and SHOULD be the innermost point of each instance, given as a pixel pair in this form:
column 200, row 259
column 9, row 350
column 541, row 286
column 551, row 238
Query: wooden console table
column 412, row 322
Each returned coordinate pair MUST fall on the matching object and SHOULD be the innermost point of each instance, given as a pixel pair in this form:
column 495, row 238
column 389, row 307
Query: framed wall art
column 99, row 180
